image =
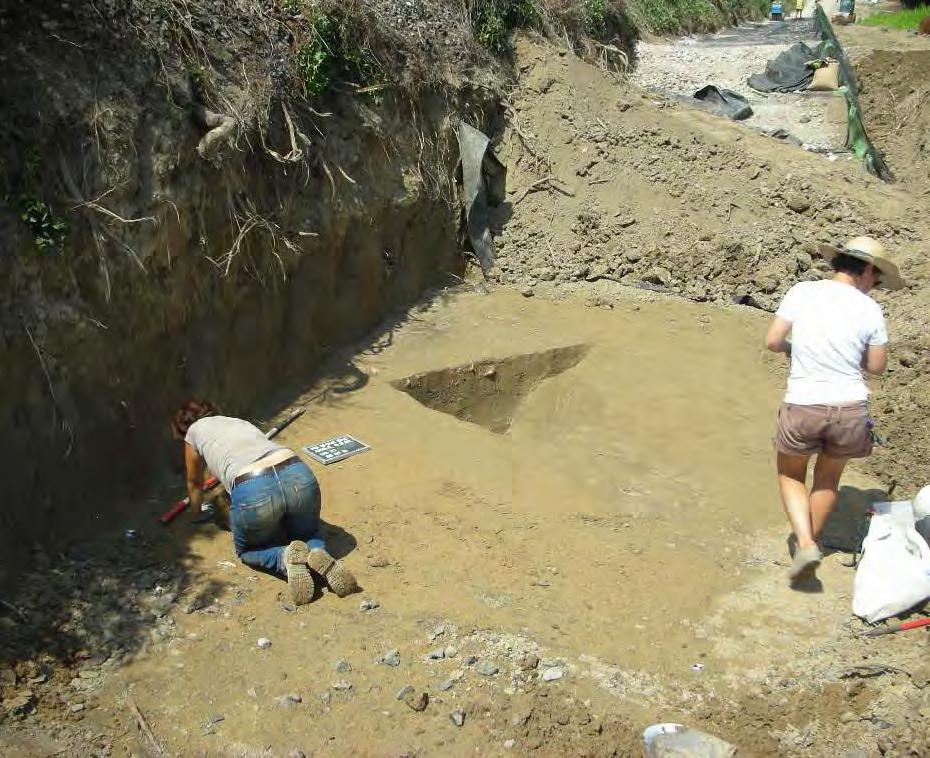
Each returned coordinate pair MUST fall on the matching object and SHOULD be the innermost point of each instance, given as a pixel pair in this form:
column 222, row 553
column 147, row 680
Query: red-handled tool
column 902, row 627
column 178, row 508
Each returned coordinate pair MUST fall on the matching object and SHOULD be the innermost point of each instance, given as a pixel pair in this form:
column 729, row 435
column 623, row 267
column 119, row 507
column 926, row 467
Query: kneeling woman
column 275, row 512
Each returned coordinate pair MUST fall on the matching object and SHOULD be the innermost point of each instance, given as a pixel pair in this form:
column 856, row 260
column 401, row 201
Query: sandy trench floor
column 626, row 528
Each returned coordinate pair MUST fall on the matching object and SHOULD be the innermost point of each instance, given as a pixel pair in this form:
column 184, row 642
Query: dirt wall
column 144, row 264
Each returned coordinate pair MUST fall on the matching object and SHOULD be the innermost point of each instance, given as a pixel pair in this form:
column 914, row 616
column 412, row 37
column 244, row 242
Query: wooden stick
column 153, row 745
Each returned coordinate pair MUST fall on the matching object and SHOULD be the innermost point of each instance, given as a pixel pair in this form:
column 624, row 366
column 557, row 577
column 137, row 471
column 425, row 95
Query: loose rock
column 391, row 658
column 369, row 605
column 551, row 675
column 264, row 643
column 458, row 717
column 417, row 702
column 488, row 669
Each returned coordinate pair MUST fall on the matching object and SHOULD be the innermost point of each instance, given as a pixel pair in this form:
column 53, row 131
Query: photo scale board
column 335, row 449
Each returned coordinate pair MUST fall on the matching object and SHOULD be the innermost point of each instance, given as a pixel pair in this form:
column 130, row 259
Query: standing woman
column 275, row 511
column 837, row 332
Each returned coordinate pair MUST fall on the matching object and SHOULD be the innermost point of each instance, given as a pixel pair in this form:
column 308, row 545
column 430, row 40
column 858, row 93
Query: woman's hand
column 195, row 469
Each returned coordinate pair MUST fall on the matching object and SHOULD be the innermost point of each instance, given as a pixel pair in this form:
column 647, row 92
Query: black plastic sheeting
column 484, row 181
column 788, row 72
column 723, row 102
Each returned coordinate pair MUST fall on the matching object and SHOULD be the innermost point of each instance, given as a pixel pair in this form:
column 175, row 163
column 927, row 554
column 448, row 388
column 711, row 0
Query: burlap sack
column 826, row 78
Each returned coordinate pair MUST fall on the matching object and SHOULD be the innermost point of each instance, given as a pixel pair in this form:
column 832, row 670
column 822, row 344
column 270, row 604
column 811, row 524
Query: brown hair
column 191, row 411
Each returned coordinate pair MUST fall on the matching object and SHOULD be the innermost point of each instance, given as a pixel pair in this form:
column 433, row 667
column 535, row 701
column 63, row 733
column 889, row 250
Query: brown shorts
column 840, row 431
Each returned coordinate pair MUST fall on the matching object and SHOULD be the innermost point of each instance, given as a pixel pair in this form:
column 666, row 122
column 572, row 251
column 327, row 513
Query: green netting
column 856, row 136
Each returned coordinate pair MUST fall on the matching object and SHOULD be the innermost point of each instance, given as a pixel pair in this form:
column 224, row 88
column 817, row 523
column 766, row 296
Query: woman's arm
column 776, row 339
column 195, row 467
column 875, row 359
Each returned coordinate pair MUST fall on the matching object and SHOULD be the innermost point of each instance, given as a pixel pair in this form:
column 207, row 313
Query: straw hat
column 871, row 251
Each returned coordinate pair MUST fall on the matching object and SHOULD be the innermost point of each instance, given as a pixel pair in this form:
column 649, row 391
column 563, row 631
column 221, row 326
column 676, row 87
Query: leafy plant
column 494, row 20
column 596, row 16
column 48, row 230
column 330, row 53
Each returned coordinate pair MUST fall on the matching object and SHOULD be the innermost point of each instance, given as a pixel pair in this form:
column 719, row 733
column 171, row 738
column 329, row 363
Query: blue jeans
column 270, row 511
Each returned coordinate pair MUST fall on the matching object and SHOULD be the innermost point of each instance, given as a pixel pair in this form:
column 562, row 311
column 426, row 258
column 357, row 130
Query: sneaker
column 804, row 566
column 299, row 579
column 337, row 577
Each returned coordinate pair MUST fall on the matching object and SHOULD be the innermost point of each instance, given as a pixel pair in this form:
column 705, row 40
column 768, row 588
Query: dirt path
column 610, row 560
column 727, row 59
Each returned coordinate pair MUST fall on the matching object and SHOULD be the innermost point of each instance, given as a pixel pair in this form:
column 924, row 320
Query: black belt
column 266, row 470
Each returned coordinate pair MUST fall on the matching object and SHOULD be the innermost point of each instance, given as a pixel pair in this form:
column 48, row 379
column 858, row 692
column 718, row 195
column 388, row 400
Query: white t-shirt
column 832, row 324
column 228, row 445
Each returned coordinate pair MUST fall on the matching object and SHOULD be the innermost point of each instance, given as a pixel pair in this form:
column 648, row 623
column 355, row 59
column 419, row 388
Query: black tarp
column 788, row 72
column 484, row 181
column 723, row 102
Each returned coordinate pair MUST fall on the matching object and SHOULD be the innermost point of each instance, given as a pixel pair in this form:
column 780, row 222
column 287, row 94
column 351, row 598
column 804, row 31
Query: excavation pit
column 488, row 392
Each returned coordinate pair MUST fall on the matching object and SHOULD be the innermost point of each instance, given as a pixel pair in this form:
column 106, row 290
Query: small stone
column 264, row 643
column 658, row 275
column 529, row 661
column 297, row 753
column 19, row 705
column 488, row 669
column 805, row 119
column 343, row 667
column 391, row 658
column 404, row 691
column 450, row 651
column 77, row 707
column 326, row 697
column 550, row 675
column 342, row 686
column 458, row 717
column 197, row 604
column 437, row 655
column 798, row 203
column 435, row 633
column 40, row 679
column 527, row 292
column 417, row 702
column 378, row 561
column 509, row 744
column 289, row 701
column 369, row 605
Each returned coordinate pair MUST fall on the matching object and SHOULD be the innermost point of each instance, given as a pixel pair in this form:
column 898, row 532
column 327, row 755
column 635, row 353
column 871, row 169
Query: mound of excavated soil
column 656, row 196
column 895, row 98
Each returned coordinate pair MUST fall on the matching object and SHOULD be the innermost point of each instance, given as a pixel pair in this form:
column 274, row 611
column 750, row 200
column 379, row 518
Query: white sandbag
column 894, row 573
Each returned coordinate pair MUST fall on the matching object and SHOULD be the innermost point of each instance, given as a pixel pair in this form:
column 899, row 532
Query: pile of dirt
column 612, row 185
column 895, row 99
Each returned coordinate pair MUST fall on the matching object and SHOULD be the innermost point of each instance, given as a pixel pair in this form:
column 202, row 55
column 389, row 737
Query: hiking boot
column 299, row 579
column 804, row 566
column 336, row 576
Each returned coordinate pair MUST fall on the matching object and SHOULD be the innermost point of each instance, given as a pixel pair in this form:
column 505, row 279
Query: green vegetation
column 48, row 230
column 330, row 51
column 494, row 20
column 906, row 19
column 668, row 16
column 597, row 16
